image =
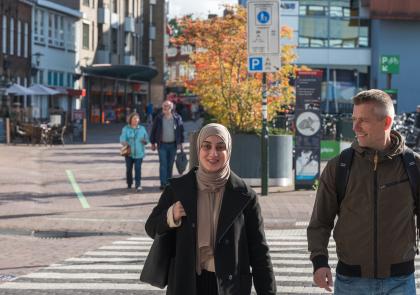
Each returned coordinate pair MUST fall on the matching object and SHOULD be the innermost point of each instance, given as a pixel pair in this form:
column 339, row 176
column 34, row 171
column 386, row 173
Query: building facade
column 155, row 42
column 116, row 73
column 15, row 51
column 55, row 57
column 346, row 39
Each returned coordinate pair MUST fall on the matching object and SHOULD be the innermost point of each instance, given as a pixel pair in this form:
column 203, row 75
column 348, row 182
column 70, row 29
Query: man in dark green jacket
column 375, row 229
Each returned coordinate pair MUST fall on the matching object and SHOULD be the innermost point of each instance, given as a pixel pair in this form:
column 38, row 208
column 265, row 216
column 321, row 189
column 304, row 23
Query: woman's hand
column 178, row 211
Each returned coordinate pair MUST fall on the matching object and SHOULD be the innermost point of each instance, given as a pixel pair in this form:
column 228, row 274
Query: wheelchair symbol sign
column 263, row 17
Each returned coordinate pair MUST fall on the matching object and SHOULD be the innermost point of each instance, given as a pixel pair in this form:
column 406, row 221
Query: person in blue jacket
column 136, row 137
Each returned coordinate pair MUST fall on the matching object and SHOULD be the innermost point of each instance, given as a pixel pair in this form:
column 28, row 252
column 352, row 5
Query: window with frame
column 12, row 36
column 19, row 38
column 50, row 29
column 86, row 3
column 4, row 43
column 61, row 32
column 60, row 79
column 115, row 6
column 85, row 36
column 337, row 24
column 70, row 34
column 26, row 40
column 50, row 78
column 127, row 7
column 70, row 80
column 114, row 40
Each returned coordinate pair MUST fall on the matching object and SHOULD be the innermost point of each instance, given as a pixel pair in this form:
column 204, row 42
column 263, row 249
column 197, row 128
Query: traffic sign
column 263, row 17
column 263, row 36
column 390, row 64
column 255, row 63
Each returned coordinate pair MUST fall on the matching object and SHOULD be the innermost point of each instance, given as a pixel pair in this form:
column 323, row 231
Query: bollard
column 7, row 130
column 84, row 130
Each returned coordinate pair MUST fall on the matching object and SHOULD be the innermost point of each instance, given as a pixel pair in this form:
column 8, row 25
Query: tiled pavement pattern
column 115, row 269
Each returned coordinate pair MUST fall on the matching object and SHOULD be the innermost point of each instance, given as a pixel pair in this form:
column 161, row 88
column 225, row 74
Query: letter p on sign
column 255, row 64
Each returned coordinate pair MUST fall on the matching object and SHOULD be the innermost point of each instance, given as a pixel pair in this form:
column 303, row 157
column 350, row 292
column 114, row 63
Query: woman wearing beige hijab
column 220, row 246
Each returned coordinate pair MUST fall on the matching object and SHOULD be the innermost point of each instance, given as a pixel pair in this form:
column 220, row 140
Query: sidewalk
column 37, row 196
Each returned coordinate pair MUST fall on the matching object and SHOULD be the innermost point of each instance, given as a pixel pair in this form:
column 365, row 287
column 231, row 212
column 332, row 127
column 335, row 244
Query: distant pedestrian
column 136, row 137
column 219, row 245
column 374, row 231
column 167, row 135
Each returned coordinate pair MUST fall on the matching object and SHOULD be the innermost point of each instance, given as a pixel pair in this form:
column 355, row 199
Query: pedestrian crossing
column 115, row 269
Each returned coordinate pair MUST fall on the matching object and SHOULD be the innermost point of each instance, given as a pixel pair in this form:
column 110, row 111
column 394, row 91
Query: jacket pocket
column 387, row 185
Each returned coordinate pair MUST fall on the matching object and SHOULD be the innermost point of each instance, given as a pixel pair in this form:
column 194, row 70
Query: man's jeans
column 404, row 285
column 129, row 162
column 167, row 153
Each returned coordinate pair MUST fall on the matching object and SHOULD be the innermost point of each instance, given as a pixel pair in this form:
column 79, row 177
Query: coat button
column 230, row 277
column 227, row 241
column 193, row 225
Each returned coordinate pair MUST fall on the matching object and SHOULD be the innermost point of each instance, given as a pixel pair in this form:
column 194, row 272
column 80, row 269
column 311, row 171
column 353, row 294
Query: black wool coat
column 241, row 251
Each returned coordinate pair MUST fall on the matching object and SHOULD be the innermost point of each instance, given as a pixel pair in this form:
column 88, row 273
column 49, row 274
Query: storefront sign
column 308, row 128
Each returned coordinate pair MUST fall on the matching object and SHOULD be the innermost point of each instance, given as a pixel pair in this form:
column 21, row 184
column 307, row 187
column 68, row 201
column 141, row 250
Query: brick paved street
column 36, row 196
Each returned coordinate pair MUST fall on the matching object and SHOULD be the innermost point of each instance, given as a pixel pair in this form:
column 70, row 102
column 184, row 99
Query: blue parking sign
column 255, row 63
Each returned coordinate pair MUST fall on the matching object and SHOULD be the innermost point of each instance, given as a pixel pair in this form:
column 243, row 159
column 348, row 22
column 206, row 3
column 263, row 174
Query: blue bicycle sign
column 263, row 17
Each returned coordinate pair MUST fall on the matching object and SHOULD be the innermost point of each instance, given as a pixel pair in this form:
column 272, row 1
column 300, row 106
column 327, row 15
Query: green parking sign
column 390, row 64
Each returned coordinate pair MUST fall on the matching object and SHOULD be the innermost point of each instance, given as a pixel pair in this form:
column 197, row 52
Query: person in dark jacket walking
column 168, row 135
column 137, row 138
column 375, row 230
column 220, row 242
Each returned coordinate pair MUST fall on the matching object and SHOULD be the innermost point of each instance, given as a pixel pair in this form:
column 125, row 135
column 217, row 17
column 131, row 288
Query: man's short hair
column 382, row 101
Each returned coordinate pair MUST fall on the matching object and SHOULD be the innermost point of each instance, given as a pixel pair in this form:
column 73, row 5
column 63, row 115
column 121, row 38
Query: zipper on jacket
column 375, row 215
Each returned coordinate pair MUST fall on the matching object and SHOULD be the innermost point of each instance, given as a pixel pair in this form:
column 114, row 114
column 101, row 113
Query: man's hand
column 178, row 211
column 153, row 146
column 323, row 278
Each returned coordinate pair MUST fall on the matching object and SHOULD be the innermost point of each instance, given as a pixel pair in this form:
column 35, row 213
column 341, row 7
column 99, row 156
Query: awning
column 39, row 89
column 126, row 72
column 17, row 89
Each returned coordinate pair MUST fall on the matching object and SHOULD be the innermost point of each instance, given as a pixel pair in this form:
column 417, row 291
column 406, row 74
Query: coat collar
column 236, row 196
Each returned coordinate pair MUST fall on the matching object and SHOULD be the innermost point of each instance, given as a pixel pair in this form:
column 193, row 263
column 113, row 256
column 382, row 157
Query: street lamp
column 35, row 66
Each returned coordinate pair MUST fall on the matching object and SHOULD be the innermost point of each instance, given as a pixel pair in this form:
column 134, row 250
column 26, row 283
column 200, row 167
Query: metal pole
column 8, row 130
column 388, row 80
column 264, row 139
column 84, row 130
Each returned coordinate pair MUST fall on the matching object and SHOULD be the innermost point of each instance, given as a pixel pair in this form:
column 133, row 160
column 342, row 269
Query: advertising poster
column 308, row 128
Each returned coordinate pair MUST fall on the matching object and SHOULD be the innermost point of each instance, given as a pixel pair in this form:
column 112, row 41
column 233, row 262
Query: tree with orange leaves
column 226, row 90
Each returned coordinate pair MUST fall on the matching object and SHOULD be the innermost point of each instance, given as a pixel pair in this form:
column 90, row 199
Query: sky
column 200, row 8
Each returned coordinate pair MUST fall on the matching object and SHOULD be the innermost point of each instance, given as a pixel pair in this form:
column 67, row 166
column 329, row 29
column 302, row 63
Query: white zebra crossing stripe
column 77, row 286
column 83, row 276
column 117, row 266
column 147, row 247
column 86, row 259
column 132, row 243
column 96, row 267
column 112, row 253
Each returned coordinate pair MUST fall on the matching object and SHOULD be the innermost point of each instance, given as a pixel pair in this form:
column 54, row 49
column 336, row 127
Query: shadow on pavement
column 26, row 215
